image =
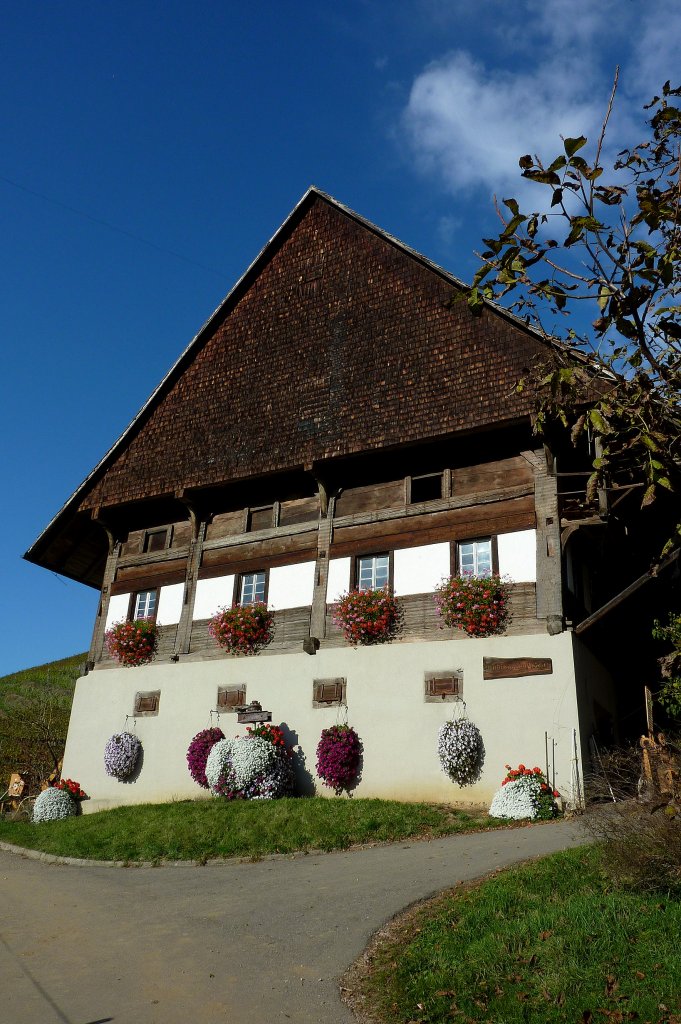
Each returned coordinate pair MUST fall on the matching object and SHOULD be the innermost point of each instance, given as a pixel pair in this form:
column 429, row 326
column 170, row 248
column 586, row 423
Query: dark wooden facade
column 338, row 403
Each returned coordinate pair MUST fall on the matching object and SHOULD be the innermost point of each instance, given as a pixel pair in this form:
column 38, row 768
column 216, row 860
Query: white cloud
column 469, row 118
column 468, row 125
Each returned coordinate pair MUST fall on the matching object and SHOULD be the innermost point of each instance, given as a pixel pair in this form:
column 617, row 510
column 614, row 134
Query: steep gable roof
column 338, row 339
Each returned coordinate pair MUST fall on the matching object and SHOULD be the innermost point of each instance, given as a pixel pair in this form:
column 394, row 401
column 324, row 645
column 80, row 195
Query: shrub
column 133, row 643
column 478, row 605
column 339, row 753
column 641, row 848
column 53, row 804
column 368, row 616
column 121, row 755
column 249, row 768
column 461, row 751
column 243, row 629
column 197, row 754
column 524, row 793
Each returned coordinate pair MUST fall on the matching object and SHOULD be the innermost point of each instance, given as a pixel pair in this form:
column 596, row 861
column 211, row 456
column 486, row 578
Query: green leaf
column 475, row 302
column 557, row 196
column 512, row 204
column 649, row 496
column 525, row 162
column 573, row 145
column 599, row 422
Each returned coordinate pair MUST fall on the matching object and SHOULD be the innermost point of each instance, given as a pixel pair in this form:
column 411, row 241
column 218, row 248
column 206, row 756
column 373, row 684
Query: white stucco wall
column 518, row 555
column 170, row 604
column 421, row 569
column 291, row 586
column 118, row 609
column 385, row 697
column 213, row 594
column 338, row 580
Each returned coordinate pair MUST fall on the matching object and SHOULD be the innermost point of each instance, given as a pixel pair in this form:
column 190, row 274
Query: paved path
column 238, row 943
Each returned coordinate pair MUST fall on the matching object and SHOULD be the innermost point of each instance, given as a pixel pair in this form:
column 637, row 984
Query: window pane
column 252, row 587
column 145, row 604
column 475, row 558
column 374, row 572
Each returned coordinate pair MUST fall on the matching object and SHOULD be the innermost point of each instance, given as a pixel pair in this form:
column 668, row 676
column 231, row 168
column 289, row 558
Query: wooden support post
column 549, row 563
column 324, row 537
column 97, row 644
column 184, row 628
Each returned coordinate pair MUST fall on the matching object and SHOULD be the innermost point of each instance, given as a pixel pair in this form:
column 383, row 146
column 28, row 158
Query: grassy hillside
column 34, row 716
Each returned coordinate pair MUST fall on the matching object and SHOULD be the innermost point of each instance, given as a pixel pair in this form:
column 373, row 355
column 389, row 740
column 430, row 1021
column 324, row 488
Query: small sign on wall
column 513, row 668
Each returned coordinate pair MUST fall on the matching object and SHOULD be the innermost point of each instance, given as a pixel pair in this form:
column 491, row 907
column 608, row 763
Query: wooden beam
column 97, row 643
column 604, row 610
column 324, row 538
column 184, row 628
column 549, row 561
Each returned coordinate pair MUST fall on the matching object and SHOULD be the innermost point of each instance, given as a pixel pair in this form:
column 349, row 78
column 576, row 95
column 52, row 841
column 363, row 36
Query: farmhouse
column 339, row 421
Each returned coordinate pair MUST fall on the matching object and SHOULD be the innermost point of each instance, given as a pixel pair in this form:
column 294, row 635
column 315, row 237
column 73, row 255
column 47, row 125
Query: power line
column 112, row 227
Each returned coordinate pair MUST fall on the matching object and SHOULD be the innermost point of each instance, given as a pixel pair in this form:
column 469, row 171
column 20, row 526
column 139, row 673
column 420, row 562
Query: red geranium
column 133, row 642
column 368, row 616
column 243, row 629
column 478, row 605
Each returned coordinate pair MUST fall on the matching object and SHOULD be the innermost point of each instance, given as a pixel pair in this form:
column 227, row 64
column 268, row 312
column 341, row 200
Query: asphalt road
column 229, row 942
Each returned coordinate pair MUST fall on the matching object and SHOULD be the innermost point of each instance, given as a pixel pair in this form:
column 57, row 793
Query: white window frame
column 476, row 547
column 372, row 563
column 252, row 582
column 145, row 604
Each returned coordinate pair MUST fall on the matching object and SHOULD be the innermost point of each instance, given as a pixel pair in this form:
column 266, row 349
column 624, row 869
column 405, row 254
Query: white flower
column 517, row 799
column 249, row 766
column 53, row 804
column 461, row 751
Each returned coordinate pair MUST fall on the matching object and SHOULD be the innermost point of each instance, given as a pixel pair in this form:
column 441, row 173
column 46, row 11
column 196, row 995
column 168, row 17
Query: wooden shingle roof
column 338, row 339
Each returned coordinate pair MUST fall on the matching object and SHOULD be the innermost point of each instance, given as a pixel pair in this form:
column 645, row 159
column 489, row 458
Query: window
column 373, row 571
column 426, row 488
column 156, row 540
column 144, row 604
column 260, row 518
column 252, row 587
column 475, row 557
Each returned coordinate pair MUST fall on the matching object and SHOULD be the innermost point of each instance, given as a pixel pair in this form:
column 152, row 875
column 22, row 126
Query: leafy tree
column 606, row 241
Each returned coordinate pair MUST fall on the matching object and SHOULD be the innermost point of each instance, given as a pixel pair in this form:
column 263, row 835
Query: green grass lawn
column 547, row 942
column 200, row 829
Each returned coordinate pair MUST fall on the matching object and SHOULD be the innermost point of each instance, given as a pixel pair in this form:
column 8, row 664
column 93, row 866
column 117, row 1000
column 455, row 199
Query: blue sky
column 151, row 149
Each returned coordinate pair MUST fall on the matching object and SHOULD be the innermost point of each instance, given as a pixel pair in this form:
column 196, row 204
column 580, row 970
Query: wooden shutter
column 147, row 703
column 443, row 685
column 328, row 691
column 230, row 697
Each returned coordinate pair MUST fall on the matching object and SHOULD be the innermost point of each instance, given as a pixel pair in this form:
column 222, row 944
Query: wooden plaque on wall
column 512, row 668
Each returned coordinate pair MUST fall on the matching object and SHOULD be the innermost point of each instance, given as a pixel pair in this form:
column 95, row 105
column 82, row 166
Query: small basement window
column 426, row 488
column 252, row 587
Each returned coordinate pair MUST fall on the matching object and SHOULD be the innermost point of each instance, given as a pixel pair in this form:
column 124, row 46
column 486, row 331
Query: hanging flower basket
column 478, row 605
column 54, row 804
column 339, row 753
column 368, row 616
column 243, row 629
column 249, row 768
column 121, row 755
column 461, row 751
column 197, row 754
column 525, row 793
column 134, row 642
